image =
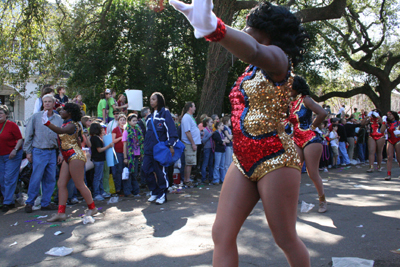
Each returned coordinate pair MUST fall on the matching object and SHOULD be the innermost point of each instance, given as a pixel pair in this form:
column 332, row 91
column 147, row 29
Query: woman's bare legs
column 389, row 150
column 237, row 199
column 379, row 150
column 279, row 191
column 62, row 184
column 77, row 171
column 371, row 152
column 312, row 156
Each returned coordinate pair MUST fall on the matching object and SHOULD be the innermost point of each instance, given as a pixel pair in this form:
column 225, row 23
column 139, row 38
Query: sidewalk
column 133, row 232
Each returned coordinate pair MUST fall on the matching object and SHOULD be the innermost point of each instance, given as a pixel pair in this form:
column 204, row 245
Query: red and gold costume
column 259, row 106
column 69, row 146
column 376, row 129
column 391, row 127
column 301, row 119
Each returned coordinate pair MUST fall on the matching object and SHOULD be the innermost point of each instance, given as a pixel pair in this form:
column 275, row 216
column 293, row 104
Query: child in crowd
column 325, row 147
column 220, row 145
column 98, row 157
column 119, row 149
column 133, row 153
column 334, row 140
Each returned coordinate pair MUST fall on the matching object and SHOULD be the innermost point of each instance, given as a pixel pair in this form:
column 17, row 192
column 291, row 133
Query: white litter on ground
column 351, row 262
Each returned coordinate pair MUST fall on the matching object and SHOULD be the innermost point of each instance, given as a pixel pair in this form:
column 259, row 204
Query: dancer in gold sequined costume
column 266, row 164
column 74, row 159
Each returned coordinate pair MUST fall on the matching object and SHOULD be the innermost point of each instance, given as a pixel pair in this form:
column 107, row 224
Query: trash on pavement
column 13, row 244
column 363, row 236
column 40, row 217
column 15, row 224
column 113, row 200
column 397, row 251
column 58, row 233
column 351, row 261
column 306, row 207
column 360, row 225
column 87, row 219
column 59, row 251
column 22, row 198
column 308, row 184
column 54, row 225
column 324, row 180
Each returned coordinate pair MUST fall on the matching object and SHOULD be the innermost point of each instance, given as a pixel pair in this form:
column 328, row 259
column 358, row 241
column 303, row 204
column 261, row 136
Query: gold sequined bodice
column 267, row 105
column 69, row 145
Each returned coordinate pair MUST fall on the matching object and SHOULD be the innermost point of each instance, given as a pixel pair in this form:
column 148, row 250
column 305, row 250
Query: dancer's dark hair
column 74, row 110
column 283, row 28
column 300, row 85
column 395, row 115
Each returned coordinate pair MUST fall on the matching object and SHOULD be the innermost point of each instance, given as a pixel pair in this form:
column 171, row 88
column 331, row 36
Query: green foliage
column 134, row 47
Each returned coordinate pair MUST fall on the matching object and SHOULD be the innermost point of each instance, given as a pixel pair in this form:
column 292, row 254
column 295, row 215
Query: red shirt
column 9, row 137
column 119, row 147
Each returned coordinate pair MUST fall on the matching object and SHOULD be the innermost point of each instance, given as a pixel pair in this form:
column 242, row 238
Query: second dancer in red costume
column 307, row 141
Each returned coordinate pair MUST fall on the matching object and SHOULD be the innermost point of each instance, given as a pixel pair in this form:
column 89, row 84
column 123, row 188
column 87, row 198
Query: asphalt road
column 362, row 221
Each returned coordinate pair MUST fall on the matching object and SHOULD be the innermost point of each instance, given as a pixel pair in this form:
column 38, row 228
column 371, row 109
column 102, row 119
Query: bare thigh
column 300, row 153
column 64, row 176
column 237, row 199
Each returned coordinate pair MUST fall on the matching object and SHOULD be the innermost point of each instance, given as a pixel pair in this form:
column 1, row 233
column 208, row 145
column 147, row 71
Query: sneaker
column 8, row 207
column 161, row 200
column 91, row 212
column 188, row 184
column 74, row 200
column 137, row 195
column 388, row 178
column 57, row 217
column 330, row 167
column 51, row 206
column 380, row 169
column 322, row 207
column 106, row 195
column 325, row 170
column 370, row 170
column 343, row 164
column 28, row 208
column 321, row 169
column 152, row 198
column 98, row 198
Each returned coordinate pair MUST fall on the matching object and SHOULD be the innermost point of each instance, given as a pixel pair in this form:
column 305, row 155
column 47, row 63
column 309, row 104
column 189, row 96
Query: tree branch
column 240, row 5
column 365, row 89
column 334, row 11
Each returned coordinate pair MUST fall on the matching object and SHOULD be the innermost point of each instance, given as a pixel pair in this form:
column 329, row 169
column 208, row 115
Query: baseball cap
column 107, row 91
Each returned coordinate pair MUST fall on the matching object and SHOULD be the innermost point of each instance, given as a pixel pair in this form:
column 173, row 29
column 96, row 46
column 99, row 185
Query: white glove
column 370, row 114
column 199, row 14
column 318, row 130
column 376, row 114
column 397, row 133
column 384, row 118
column 45, row 119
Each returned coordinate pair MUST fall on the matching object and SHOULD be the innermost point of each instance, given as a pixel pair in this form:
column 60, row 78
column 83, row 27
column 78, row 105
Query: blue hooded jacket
column 165, row 127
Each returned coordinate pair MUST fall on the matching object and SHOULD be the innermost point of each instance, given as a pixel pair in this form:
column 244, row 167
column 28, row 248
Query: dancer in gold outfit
column 74, row 160
column 265, row 164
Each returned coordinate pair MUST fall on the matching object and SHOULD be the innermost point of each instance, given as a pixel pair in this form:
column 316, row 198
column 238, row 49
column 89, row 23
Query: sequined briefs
column 259, row 106
column 301, row 118
column 69, row 146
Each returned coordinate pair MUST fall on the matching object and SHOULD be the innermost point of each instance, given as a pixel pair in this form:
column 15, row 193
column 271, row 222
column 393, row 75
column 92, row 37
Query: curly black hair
column 395, row 115
column 74, row 110
column 282, row 26
column 300, row 85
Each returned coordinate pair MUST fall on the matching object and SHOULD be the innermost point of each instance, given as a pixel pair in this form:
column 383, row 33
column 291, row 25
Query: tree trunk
column 218, row 64
column 385, row 100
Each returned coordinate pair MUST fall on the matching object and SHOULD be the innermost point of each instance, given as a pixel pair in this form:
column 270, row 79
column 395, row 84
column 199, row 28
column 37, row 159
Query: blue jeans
column 44, row 170
column 219, row 169
column 132, row 185
column 117, row 172
column 361, row 151
column 9, row 172
column 208, row 160
column 343, row 157
column 228, row 157
column 98, row 178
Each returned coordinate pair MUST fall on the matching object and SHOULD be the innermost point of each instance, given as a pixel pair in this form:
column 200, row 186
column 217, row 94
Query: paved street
column 133, row 232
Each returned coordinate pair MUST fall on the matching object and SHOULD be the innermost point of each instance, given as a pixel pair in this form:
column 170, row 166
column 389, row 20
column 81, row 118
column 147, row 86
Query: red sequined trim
column 218, row 34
